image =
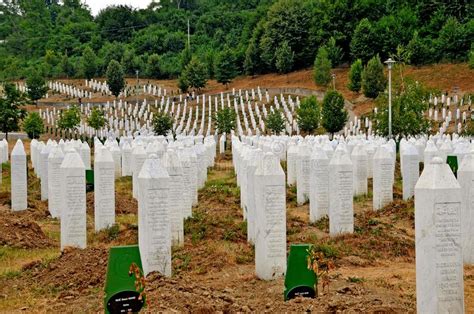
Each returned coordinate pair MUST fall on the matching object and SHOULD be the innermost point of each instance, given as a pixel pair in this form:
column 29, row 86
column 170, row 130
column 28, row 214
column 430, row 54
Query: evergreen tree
column 69, row 119
column 334, row 115
column 226, row 69
column 355, row 76
column 335, row 52
column 284, row 58
column 115, row 77
column 154, row 66
column 252, row 59
column 419, row 51
column 97, row 119
column 11, row 112
column 89, row 63
column 33, row 125
column 363, row 43
column 36, row 86
column 195, row 74
column 186, row 57
column 373, row 79
column 225, row 120
column 210, row 63
column 162, row 124
column 308, row 114
column 67, row 68
column 275, row 122
column 322, row 67
column 183, row 83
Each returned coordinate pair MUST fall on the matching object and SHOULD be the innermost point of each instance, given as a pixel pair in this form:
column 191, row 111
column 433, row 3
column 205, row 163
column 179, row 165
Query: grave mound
column 19, row 231
column 78, row 269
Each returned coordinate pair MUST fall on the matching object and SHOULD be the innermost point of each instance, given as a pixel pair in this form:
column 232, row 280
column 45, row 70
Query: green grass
column 12, row 259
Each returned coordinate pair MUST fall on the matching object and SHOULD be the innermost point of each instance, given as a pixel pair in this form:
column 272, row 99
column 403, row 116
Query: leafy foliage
column 225, row 69
column 308, row 114
column 11, row 112
column 195, row 74
column 96, row 119
column 373, row 78
column 162, row 124
column 284, row 58
column 355, row 76
column 33, row 125
column 225, row 120
column 334, row 115
column 62, row 38
column 275, row 122
column 409, row 102
column 69, row 119
column 322, row 67
column 36, row 86
column 471, row 57
column 115, row 78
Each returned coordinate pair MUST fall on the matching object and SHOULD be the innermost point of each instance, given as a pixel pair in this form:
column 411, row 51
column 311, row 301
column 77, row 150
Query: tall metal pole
column 389, row 63
column 389, row 101
column 189, row 37
column 138, row 88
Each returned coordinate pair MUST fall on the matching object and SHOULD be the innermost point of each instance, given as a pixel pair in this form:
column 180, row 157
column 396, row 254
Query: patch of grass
column 112, row 232
column 196, row 226
column 181, row 261
column 327, row 249
column 355, row 279
column 322, row 224
column 13, row 259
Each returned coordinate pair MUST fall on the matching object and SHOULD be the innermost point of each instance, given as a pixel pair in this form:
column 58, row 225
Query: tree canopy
column 11, row 111
column 62, row 38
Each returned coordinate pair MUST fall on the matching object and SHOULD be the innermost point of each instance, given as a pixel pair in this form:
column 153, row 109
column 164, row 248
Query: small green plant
column 33, row 125
column 162, row 124
column 112, row 232
column 355, row 279
column 320, row 264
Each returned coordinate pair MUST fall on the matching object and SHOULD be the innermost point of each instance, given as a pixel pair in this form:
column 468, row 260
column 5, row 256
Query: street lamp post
column 333, row 81
column 390, row 63
column 137, row 88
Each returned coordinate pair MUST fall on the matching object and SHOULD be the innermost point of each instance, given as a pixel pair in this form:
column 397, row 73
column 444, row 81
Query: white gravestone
column 292, row 155
column 382, row 181
column 360, row 166
column 126, row 160
column 44, row 172
column 410, row 170
column 270, row 200
column 176, row 200
column 466, row 181
column 341, row 190
column 55, row 159
column 250, row 203
column 104, row 189
column 185, row 160
column 138, row 158
column 18, row 177
column 73, row 205
column 85, row 151
column 154, row 226
column 439, row 265
column 303, row 171
column 319, row 185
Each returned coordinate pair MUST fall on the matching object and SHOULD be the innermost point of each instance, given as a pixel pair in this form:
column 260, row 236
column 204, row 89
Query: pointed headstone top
column 72, row 160
column 19, row 149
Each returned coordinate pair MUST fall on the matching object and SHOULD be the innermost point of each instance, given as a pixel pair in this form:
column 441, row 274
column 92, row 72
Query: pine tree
column 334, row 52
column 97, row 119
column 322, row 67
column 284, row 58
column 33, row 125
column 89, row 63
column 363, row 43
column 275, row 122
column 195, row 74
column 226, row 69
column 308, row 114
column 373, row 79
column 252, row 59
column 334, row 115
column 36, row 86
column 115, row 78
column 355, row 76
column 154, row 66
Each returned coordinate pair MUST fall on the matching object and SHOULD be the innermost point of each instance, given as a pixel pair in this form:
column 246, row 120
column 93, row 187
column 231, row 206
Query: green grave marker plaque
column 89, row 180
column 452, row 161
column 120, row 292
column 299, row 280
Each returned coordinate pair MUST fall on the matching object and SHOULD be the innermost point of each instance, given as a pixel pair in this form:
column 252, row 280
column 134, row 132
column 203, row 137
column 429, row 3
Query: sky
column 97, row 5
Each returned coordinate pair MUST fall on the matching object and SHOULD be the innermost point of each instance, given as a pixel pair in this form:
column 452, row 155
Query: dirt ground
column 214, row 270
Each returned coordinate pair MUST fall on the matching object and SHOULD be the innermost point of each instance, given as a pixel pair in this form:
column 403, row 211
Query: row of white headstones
column 166, row 176
column 330, row 173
